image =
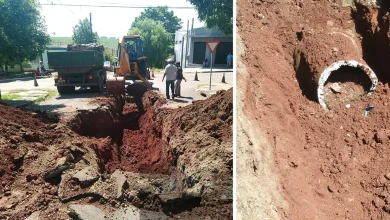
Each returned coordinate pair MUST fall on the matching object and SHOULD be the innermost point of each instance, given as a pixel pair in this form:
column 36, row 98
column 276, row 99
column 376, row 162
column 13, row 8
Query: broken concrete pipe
column 319, row 54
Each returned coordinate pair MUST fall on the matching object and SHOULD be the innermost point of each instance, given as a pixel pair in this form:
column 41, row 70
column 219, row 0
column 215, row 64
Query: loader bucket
column 116, row 85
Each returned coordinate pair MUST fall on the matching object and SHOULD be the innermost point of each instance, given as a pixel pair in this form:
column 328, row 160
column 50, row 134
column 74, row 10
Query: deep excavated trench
column 130, row 141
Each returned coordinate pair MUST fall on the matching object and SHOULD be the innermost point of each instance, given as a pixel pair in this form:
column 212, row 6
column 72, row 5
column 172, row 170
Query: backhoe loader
column 130, row 72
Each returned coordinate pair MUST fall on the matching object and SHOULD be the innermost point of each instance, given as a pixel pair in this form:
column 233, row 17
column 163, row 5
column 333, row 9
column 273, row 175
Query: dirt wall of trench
column 324, row 164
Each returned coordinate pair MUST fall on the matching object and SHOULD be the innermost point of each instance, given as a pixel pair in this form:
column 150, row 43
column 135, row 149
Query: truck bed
column 75, row 59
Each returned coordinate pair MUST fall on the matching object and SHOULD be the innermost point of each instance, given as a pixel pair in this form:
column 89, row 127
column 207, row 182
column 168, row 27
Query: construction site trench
column 159, row 164
column 126, row 139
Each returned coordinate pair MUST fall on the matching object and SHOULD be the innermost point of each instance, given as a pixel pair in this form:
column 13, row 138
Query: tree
column 166, row 18
column 216, row 13
column 162, row 15
column 155, row 40
column 22, row 31
column 82, row 33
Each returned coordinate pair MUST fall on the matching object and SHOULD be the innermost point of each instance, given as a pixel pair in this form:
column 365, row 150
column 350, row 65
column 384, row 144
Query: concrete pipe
column 320, row 54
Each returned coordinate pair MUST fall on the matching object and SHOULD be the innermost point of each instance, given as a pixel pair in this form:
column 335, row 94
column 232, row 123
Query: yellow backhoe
column 130, row 73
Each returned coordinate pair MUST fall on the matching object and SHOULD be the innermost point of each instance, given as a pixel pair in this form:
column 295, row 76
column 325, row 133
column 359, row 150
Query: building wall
column 43, row 57
column 17, row 68
column 205, row 39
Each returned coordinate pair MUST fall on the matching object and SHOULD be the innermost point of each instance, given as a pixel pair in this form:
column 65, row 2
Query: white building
column 196, row 50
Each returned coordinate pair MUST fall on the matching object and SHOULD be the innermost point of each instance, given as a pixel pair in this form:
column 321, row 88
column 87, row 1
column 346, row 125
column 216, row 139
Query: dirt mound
column 150, row 159
column 323, row 164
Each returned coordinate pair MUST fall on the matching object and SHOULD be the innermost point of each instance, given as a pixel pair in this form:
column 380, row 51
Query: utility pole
column 186, row 58
column 192, row 27
column 90, row 22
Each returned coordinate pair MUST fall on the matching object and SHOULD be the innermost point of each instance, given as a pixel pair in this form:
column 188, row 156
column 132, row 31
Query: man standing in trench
column 170, row 72
column 179, row 78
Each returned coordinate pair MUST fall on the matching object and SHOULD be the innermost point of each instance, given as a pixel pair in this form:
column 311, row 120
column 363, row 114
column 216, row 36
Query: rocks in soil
column 111, row 188
column 62, row 165
column 335, row 87
column 34, row 216
column 86, row 212
column 87, row 175
column 133, row 213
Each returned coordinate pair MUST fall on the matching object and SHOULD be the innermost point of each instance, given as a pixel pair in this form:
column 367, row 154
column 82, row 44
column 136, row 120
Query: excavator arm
column 116, row 84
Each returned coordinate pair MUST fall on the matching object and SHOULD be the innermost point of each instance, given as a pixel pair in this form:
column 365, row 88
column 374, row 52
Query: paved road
column 69, row 104
column 26, row 83
column 189, row 88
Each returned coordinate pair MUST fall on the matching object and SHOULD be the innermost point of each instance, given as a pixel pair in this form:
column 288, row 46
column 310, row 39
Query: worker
column 171, row 73
column 179, row 78
column 205, row 62
column 41, row 67
column 229, row 60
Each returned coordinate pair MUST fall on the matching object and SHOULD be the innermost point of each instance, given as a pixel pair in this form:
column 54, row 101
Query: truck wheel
column 98, row 88
column 60, row 89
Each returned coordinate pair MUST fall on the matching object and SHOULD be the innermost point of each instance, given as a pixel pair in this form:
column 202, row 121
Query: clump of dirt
column 326, row 164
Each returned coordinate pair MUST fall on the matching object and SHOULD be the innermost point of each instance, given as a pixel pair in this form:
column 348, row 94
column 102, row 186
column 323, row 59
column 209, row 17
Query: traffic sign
column 213, row 45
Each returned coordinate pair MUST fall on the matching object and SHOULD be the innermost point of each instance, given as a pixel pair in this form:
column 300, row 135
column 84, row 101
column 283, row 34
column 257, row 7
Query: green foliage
column 216, row 13
column 166, row 18
column 162, row 15
column 82, row 33
column 155, row 40
column 22, row 31
column 108, row 56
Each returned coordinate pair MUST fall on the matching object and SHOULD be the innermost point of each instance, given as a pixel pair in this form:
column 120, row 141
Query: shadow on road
column 30, row 105
column 179, row 100
column 48, row 108
column 23, row 79
column 80, row 93
column 183, row 97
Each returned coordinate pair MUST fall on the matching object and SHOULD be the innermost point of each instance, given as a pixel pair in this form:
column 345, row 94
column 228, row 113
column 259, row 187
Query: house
column 196, row 50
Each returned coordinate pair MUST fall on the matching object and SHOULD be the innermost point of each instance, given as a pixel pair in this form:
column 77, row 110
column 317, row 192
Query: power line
column 114, row 6
column 63, row 5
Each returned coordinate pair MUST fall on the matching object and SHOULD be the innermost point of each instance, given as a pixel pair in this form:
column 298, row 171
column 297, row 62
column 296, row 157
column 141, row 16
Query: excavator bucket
column 116, row 85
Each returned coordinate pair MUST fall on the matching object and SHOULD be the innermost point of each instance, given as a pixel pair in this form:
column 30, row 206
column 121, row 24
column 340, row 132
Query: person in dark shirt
column 179, row 78
column 205, row 62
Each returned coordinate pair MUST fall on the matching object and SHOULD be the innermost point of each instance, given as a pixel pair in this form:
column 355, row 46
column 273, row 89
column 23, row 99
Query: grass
column 200, row 85
column 14, row 95
column 11, row 96
column 50, row 94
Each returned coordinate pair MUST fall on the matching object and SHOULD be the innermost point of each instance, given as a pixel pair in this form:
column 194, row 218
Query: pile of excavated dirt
column 162, row 163
column 304, row 161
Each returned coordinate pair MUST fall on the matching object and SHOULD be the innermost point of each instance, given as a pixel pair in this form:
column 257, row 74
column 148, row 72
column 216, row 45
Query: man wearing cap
column 179, row 78
column 170, row 73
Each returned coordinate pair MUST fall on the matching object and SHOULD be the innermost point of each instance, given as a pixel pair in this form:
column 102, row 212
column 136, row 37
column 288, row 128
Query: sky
column 108, row 22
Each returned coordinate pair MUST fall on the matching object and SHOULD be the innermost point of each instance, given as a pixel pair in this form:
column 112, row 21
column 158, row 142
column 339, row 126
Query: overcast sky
column 109, row 22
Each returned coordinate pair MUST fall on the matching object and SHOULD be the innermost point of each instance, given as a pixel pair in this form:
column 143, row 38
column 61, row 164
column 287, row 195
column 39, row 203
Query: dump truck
column 79, row 66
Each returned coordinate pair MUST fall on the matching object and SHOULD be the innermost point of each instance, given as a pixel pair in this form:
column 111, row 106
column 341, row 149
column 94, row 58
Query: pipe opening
column 345, row 82
column 346, row 85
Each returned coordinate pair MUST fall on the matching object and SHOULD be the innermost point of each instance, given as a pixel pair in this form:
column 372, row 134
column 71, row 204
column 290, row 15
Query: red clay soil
column 16, row 127
column 331, row 164
column 142, row 147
